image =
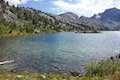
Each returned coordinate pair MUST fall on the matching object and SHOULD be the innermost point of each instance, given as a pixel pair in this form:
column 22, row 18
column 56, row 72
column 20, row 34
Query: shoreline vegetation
column 108, row 69
column 15, row 33
column 8, row 29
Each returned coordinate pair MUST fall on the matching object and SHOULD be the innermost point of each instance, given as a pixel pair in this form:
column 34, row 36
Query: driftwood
column 6, row 62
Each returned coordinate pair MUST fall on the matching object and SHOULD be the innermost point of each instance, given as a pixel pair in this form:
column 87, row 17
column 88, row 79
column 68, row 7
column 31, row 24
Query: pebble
column 43, row 76
column 19, row 76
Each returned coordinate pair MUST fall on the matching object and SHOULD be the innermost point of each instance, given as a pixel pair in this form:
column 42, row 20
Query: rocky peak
column 112, row 14
column 70, row 15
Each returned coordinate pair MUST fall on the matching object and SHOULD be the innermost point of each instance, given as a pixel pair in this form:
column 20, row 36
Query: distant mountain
column 112, row 14
column 74, row 19
column 108, row 20
column 70, row 15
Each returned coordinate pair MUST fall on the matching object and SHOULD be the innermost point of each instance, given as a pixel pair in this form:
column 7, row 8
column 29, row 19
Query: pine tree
column 7, row 3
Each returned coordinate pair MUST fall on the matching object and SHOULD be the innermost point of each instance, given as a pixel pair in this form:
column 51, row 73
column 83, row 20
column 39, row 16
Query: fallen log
column 6, row 62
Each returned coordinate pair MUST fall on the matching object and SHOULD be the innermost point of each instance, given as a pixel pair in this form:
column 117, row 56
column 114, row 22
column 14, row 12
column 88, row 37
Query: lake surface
column 65, row 51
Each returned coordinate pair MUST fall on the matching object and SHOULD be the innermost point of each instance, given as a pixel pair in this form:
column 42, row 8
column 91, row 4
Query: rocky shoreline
column 104, row 69
column 115, row 57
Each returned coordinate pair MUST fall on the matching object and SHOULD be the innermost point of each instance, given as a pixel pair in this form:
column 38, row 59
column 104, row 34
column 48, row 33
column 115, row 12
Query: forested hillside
column 20, row 20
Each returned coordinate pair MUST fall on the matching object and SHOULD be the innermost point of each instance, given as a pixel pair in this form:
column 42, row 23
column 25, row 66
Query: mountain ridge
column 20, row 20
column 109, row 19
column 29, row 20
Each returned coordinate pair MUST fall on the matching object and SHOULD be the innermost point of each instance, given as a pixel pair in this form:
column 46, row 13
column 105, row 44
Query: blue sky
column 80, row 7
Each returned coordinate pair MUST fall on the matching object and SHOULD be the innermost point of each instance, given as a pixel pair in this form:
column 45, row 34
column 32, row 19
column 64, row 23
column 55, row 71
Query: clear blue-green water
column 65, row 51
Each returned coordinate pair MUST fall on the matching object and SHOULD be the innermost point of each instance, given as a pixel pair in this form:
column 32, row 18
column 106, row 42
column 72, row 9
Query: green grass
column 53, row 76
column 103, row 70
column 103, row 67
column 34, row 76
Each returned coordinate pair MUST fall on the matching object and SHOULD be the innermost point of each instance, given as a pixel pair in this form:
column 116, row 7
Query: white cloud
column 16, row 2
column 85, row 7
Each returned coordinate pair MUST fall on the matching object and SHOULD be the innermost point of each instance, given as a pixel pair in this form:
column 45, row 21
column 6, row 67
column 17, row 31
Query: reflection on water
column 58, row 51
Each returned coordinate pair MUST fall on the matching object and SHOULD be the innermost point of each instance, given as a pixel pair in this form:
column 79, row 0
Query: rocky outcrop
column 70, row 15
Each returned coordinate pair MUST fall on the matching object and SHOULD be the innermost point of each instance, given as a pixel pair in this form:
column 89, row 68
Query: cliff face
column 6, row 14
